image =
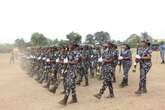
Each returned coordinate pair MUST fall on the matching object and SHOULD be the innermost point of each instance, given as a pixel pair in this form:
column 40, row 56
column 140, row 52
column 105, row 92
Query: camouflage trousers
column 83, row 73
column 70, row 87
column 144, row 69
column 106, row 83
column 70, row 81
column 126, row 68
column 162, row 55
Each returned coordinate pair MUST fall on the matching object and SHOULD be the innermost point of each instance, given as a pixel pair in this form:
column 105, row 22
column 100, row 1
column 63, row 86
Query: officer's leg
column 144, row 80
column 95, row 69
column 162, row 56
column 113, row 74
column 79, row 72
column 123, row 83
column 99, row 70
column 64, row 85
column 81, row 76
column 144, row 87
column 110, row 87
column 127, row 68
column 101, row 92
column 86, row 78
column 67, row 92
column 92, row 69
column 142, row 74
column 73, row 89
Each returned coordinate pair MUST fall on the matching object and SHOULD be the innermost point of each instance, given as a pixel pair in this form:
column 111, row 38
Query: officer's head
column 145, row 43
column 105, row 46
column 126, row 46
column 110, row 44
column 73, row 46
column 114, row 46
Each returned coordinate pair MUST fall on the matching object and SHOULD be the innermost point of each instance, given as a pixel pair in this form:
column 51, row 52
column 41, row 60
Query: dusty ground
column 19, row 92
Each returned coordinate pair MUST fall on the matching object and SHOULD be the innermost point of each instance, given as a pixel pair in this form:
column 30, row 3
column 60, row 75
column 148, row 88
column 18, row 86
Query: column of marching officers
column 69, row 66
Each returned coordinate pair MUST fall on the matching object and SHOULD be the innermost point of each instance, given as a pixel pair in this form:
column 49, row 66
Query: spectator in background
column 162, row 52
column 12, row 57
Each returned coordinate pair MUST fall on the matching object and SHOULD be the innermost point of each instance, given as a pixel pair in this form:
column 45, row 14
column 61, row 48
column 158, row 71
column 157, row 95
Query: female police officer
column 107, row 70
column 126, row 61
column 70, row 78
column 144, row 59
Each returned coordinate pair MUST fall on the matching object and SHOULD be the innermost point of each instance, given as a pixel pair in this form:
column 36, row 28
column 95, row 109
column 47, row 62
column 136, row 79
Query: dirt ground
column 20, row 92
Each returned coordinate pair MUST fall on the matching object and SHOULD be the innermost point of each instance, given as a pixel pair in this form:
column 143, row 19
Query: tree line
column 40, row 40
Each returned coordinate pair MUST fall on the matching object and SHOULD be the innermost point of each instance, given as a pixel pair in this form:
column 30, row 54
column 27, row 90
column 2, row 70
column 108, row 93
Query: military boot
column 98, row 96
column 78, row 83
column 144, row 90
column 122, row 83
column 111, row 93
column 126, row 82
column 53, row 90
column 139, row 91
column 74, row 99
column 86, row 83
column 64, row 101
column 162, row 62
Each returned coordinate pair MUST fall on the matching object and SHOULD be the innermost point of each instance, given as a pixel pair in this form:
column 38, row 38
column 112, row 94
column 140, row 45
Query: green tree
column 55, row 42
column 63, row 43
column 50, row 42
column 133, row 40
column 20, row 43
column 90, row 39
column 74, row 37
column 5, row 48
column 38, row 39
column 102, row 37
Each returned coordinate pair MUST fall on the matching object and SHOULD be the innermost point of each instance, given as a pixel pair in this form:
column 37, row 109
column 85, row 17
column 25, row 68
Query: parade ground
column 18, row 91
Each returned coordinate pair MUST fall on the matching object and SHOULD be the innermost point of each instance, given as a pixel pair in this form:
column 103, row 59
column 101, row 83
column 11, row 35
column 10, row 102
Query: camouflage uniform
column 145, row 66
column 93, row 62
column 126, row 63
column 84, row 65
column 115, row 62
column 71, row 78
column 107, row 71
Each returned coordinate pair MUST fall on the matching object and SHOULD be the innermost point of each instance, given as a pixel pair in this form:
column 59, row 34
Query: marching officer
column 126, row 62
column 107, row 70
column 70, row 81
column 144, row 59
column 84, row 66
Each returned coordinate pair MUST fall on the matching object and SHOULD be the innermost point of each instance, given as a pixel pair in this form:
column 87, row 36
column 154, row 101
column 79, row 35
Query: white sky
column 56, row 18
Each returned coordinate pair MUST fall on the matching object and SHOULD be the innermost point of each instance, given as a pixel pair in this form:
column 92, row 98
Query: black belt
column 146, row 60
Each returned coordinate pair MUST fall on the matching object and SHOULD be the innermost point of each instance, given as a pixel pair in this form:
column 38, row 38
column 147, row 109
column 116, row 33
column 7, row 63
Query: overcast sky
column 56, row 18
